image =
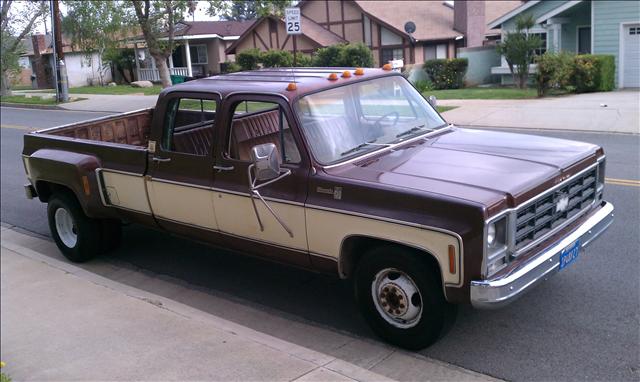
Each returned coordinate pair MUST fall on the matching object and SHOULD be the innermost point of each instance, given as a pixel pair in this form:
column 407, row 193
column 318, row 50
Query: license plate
column 569, row 255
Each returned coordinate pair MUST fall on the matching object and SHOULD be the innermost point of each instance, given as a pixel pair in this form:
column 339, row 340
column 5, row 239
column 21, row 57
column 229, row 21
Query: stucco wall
column 79, row 72
column 481, row 59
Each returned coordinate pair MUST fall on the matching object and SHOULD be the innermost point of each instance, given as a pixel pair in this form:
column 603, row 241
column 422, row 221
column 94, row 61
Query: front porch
column 188, row 60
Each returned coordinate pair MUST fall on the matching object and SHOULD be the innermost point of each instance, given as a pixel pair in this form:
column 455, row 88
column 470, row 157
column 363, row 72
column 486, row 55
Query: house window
column 198, row 54
column 543, row 43
column 584, row 40
column 431, row 52
column 389, row 54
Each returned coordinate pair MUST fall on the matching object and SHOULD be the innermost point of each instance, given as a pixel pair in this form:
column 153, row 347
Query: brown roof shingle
column 222, row 28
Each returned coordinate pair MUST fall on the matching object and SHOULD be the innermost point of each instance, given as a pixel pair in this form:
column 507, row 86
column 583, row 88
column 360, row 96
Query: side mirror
column 432, row 100
column 266, row 162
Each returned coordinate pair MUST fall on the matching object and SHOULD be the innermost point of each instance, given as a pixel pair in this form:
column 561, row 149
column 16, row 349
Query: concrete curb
column 29, row 106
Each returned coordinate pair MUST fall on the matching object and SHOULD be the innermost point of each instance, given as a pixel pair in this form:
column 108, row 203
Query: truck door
column 181, row 166
column 251, row 121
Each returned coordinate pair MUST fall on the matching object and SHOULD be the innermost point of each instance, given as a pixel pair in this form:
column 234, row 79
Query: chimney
column 468, row 18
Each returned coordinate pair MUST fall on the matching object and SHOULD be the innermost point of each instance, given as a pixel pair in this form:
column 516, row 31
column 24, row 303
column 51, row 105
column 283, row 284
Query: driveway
column 613, row 112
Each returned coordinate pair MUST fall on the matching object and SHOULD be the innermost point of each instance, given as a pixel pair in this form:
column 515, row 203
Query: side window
column 189, row 126
column 256, row 123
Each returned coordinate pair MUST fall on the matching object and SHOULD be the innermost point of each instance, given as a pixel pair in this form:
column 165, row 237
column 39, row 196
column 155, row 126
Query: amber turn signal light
column 346, row 74
column 386, row 67
column 359, row 72
column 333, row 77
column 85, row 185
column 452, row 259
column 292, row 86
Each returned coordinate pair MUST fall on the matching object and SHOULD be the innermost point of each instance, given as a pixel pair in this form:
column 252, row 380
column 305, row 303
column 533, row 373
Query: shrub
column 594, row 73
column 303, row 60
column 329, row 56
column 555, row 70
column 276, row 59
column 580, row 74
column 249, row 59
column 356, row 54
column 446, row 73
column 423, row 85
column 229, row 67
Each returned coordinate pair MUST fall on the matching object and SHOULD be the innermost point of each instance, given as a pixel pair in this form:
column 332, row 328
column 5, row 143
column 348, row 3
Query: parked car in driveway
column 343, row 171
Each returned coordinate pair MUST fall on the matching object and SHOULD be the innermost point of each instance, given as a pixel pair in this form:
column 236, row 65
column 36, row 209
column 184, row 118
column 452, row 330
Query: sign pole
column 295, row 49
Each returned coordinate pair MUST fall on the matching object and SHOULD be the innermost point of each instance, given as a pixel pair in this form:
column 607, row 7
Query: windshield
column 351, row 120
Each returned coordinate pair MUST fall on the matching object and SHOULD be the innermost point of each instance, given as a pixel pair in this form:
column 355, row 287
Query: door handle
column 158, row 160
column 223, row 168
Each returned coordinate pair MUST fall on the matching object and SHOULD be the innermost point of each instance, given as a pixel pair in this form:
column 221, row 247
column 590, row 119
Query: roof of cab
column 276, row 80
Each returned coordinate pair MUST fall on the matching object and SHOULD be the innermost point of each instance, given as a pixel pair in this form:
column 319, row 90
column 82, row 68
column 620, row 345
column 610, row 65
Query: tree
column 15, row 24
column 157, row 20
column 241, row 10
column 95, row 26
column 518, row 49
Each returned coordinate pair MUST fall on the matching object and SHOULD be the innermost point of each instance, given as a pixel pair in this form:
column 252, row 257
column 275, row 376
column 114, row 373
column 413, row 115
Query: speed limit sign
column 292, row 20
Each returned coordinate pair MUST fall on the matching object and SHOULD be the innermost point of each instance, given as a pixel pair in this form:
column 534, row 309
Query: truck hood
column 482, row 166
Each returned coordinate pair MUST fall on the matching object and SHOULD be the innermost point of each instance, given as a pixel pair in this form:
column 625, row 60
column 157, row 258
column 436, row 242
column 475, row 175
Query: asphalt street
column 580, row 325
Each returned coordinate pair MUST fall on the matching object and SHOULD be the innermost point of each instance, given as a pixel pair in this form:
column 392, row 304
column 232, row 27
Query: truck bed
column 131, row 128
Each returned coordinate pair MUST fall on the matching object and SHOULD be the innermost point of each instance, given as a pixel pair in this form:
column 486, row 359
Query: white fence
column 150, row 74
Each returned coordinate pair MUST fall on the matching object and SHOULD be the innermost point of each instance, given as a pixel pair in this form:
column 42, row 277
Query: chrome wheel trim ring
column 66, row 228
column 397, row 298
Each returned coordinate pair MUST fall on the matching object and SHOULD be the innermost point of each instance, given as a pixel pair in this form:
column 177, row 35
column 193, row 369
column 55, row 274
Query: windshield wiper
column 410, row 131
column 363, row 145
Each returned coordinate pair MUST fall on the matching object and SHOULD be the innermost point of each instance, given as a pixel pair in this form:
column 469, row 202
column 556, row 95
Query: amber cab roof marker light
column 346, row 74
column 359, row 72
column 292, row 86
column 387, row 67
column 333, row 77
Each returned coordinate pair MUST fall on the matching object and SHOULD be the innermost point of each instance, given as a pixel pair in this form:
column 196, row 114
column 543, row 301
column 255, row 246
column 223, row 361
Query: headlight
column 497, row 256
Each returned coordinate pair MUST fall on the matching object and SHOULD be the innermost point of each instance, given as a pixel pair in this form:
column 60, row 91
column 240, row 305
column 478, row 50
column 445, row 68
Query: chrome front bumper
column 495, row 293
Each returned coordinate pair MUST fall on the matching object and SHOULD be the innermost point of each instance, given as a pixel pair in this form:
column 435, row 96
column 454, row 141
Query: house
column 380, row 25
column 82, row 69
column 205, row 42
column 581, row 26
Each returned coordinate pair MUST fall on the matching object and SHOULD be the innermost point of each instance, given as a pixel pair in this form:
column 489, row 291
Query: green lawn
column 483, row 93
column 116, row 90
column 442, row 109
column 34, row 100
column 28, row 101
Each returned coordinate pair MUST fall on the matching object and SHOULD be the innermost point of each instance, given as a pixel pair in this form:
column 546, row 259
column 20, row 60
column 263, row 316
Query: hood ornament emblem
column 563, row 203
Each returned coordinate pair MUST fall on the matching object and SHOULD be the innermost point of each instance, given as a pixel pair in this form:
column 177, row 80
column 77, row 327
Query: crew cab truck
column 347, row 171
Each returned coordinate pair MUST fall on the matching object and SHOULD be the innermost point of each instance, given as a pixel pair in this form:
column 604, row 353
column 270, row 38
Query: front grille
column 542, row 216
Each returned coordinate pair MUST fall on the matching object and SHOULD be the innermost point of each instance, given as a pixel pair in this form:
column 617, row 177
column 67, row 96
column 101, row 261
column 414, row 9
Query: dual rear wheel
column 79, row 237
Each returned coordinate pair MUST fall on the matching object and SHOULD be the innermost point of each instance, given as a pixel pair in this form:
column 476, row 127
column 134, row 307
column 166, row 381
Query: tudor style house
column 581, row 26
column 441, row 27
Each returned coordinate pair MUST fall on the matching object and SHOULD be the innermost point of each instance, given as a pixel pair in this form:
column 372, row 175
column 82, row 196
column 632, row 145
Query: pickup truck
column 347, row 171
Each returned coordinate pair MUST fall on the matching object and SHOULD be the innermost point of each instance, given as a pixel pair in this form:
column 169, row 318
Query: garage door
column 631, row 56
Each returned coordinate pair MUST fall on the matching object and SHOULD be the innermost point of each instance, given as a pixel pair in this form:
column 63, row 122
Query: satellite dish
column 409, row 27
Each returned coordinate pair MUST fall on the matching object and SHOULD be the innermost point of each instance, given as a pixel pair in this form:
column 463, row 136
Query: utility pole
column 62, row 88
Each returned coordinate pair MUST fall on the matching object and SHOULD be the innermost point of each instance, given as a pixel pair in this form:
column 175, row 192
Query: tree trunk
column 163, row 70
column 4, row 84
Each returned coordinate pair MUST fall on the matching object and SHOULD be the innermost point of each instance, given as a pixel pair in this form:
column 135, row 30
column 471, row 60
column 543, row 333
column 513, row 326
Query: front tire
column 77, row 236
column 400, row 295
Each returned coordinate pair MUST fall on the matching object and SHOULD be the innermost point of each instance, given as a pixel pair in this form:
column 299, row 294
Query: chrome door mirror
column 266, row 169
column 265, row 161
column 432, row 100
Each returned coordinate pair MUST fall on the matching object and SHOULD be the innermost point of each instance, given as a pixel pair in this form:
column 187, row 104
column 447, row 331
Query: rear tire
column 78, row 237
column 400, row 295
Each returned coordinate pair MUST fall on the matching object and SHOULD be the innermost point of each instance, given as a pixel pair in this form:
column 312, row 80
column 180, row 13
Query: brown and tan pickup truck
column 343, row 171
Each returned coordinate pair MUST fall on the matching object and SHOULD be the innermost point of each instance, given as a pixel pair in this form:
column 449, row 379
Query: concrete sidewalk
column 62, row 322
column 581, row 112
